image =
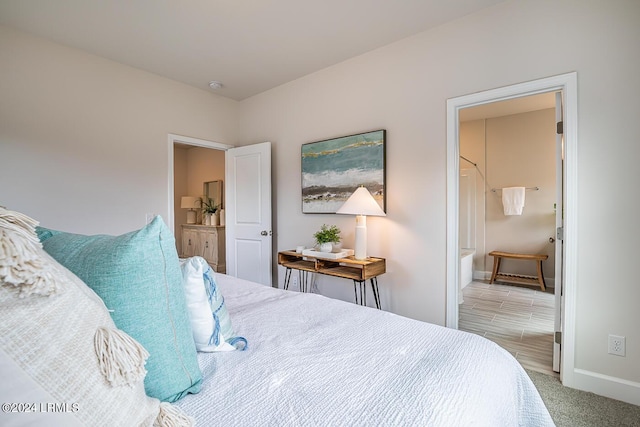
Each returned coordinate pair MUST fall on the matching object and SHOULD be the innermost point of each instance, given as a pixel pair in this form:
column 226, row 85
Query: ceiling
column 523, row 104
column 248, row 45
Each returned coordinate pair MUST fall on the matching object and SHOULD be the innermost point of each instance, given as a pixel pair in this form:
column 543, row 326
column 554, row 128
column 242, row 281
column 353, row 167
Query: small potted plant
column 209, row 209
column 326, row 237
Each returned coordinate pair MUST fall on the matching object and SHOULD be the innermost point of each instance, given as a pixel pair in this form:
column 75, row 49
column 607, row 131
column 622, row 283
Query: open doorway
column 567, row 85
column 247, row 203
column 193, row 167
column 507, row 144
column 196, row 166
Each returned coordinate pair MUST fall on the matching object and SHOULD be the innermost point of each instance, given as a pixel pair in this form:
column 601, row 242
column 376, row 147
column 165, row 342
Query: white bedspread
column 315, row 361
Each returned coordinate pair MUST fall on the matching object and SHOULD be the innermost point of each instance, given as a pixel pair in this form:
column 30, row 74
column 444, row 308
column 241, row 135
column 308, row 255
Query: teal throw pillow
column 138, row 277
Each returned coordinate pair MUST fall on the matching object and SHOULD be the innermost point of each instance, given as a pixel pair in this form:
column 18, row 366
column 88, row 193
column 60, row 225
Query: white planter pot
column 325, row 247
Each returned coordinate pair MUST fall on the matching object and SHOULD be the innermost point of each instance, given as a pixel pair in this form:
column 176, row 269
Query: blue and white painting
column 334, row 168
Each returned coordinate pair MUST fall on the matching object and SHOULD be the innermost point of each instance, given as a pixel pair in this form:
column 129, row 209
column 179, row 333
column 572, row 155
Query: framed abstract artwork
column 332, row 169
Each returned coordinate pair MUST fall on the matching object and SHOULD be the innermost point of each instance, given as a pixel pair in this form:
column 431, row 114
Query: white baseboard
column 605, row 385
column 481, row 275
column 486, row 275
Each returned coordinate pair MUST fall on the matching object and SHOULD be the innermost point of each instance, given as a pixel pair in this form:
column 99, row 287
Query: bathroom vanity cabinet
column 205, row 241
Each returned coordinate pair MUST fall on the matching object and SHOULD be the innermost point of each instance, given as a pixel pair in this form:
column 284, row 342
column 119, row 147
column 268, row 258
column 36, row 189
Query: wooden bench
column 516, row 278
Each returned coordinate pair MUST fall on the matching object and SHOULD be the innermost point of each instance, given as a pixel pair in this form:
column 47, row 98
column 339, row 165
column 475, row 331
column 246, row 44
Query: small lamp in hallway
column 191, row 203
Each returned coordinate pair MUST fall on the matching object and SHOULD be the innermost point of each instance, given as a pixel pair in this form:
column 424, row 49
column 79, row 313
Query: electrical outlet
column 294, row 281
column 617, row 345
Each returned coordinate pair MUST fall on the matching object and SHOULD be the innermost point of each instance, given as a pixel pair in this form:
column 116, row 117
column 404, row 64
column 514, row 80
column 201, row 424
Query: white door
column 248, row 212
column 559, row 233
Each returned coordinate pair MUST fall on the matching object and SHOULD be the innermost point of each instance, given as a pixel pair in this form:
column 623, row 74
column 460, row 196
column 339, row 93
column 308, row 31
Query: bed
column 103, row 330
column 315, row 361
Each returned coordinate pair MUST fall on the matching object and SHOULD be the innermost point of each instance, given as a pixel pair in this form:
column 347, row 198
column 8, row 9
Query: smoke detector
column 213, row 84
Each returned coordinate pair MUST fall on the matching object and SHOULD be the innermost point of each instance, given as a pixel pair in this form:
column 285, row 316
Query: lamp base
column 360, row 247
column 191, row 217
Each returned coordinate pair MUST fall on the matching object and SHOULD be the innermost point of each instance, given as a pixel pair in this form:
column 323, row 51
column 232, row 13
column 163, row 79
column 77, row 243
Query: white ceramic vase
column 325, row 247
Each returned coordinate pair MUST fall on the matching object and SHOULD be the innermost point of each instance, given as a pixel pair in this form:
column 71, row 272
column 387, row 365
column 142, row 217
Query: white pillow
column 210, row 321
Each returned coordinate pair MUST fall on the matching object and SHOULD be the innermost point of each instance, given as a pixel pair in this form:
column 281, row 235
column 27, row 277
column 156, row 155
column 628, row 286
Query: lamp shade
column 361, row 202
column 189, row 202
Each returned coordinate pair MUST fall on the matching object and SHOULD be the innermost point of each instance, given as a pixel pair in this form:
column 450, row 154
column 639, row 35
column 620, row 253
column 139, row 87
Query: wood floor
column 518, row 318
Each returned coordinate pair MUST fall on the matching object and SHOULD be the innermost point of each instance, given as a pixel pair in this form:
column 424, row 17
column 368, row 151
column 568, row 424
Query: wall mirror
column 213, row 190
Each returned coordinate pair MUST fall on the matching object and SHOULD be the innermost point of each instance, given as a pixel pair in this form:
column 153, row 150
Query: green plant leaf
column 327, row 234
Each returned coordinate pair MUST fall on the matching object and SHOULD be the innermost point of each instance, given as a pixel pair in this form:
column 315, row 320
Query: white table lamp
column 191, row 203
column 361, row 203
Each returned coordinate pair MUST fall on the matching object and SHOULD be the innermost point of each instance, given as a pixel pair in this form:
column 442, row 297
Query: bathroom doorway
column 567, row 85
column 503, row 144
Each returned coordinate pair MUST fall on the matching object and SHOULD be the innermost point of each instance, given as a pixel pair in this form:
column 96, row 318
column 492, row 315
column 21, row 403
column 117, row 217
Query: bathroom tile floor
column 518, row 318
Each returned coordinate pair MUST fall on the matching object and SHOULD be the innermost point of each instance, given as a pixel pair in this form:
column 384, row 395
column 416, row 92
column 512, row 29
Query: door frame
column 186, row 140
column 567, row 83
column 559, row 224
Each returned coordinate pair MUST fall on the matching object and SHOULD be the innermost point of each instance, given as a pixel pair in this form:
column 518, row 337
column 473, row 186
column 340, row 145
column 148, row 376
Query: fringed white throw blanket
column 20, row 263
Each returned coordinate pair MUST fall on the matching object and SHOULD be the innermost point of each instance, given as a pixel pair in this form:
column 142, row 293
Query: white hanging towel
column 513, row 200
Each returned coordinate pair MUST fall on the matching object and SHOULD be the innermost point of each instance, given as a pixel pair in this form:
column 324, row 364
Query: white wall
column 83, row 140
column 404, row 87
column 519, row 150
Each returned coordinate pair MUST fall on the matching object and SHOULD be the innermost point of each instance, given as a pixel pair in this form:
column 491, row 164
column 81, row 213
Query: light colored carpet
column 575, row 408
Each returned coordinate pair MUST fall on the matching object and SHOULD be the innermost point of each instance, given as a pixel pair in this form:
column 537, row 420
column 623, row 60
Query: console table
column 347, row 268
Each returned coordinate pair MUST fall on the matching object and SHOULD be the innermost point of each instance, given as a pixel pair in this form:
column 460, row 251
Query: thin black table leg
column 361, row 294
column 355, row 290
column 287, row 277
column 376, row 293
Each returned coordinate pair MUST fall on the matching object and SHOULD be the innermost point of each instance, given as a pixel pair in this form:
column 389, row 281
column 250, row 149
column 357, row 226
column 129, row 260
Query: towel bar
column 493, row 190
